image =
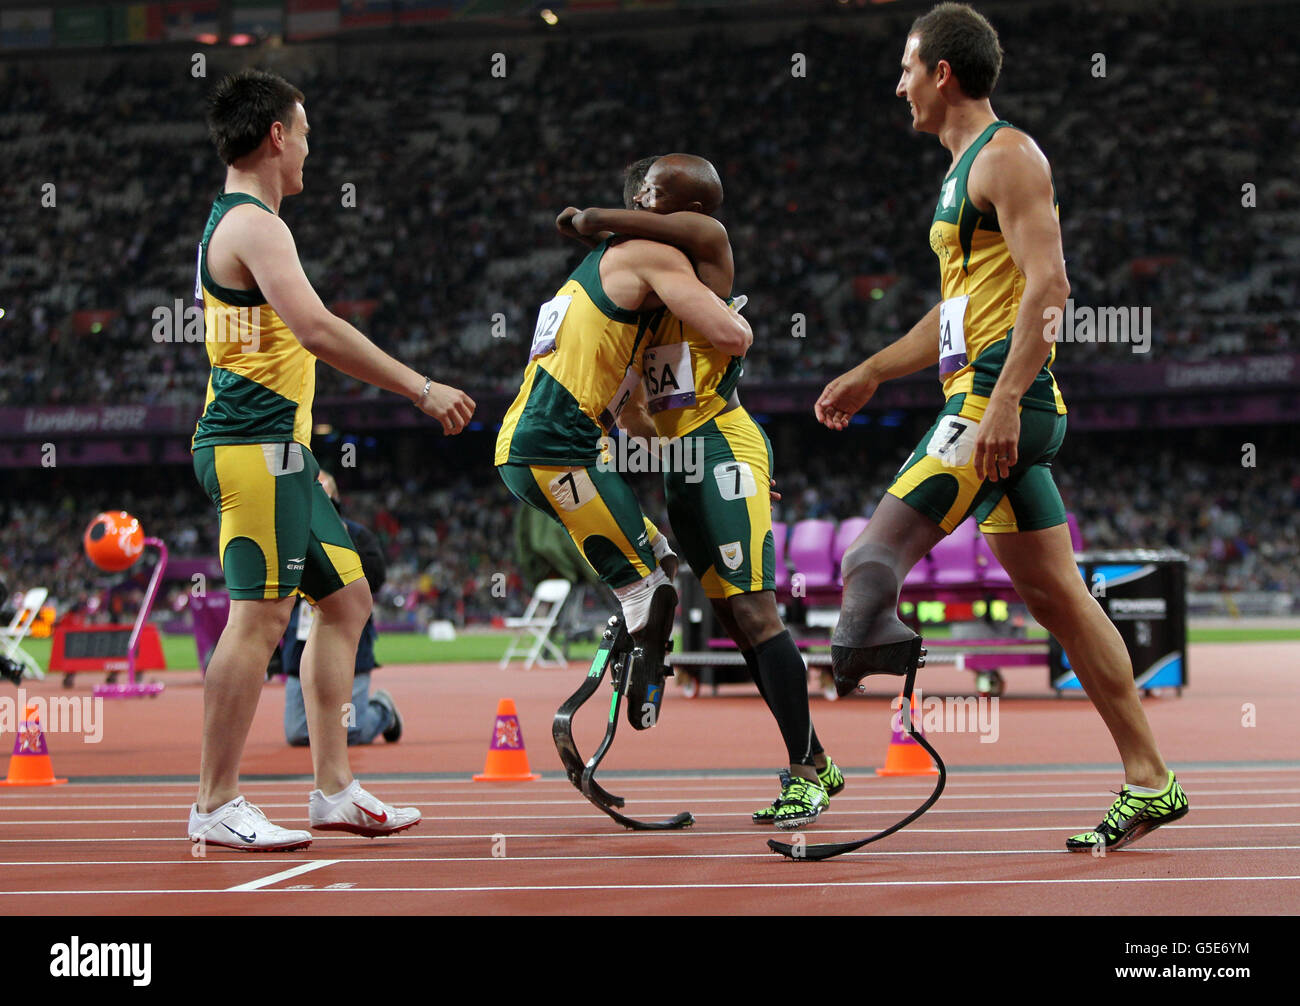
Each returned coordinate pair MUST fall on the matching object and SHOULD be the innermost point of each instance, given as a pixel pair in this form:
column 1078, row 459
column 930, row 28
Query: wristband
column 428, row 383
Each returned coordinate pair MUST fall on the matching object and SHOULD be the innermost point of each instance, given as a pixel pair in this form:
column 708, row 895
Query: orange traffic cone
column 507, row 760
column 905, row 756
column 30, row 764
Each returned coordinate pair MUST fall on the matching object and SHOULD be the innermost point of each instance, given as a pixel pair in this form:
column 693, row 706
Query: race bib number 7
column 953, row 442
column 952, row 335
column 548, row 324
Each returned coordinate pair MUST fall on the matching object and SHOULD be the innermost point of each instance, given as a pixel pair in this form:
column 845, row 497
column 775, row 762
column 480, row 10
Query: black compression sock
column 785, row 686
column 751, row 662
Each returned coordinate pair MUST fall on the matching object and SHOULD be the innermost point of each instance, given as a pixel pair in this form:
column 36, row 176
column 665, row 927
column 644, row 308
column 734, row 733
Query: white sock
column 635, row 599
column 1147, row 790
column 342, row 794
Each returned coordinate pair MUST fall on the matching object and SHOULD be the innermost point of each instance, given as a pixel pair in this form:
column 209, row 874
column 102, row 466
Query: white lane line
column 644, row 809
column 556, row 777
column 666, row 855
column 275, row 878
column 577, row 801
column 696, row 832
column 526, row 888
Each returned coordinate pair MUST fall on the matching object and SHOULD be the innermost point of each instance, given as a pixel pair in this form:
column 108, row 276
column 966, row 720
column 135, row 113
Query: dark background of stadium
column 458, row 176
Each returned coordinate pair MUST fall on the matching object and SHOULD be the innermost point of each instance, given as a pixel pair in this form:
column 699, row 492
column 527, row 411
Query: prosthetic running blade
column 816, row 853
column 615, row 650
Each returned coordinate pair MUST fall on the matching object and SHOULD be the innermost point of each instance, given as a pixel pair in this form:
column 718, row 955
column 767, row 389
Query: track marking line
column 645, row 806
column 315, row 864
column 521, row 888
column 629, row 836
column 293, row 871
column 578, row 801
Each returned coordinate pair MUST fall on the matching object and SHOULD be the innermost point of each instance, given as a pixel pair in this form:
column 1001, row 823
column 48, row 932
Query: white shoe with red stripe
column 358, row 812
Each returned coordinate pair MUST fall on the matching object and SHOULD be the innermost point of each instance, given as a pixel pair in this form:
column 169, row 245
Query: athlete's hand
column 995, row 444
column 843, row 397
column 774, row 496
column 564, row 224
column 449, row 406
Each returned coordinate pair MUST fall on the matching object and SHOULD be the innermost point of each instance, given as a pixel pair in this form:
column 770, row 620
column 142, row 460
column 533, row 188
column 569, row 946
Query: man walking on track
column 988, row 456
column 280, row 534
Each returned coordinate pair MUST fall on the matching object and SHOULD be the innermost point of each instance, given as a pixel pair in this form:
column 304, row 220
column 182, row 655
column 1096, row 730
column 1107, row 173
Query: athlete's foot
column 645, row 687
column 358, row 812
column 1132, row 816
column 850, row 664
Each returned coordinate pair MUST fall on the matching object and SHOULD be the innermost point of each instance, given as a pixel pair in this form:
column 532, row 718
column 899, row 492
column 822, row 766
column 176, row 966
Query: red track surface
column 993, row 844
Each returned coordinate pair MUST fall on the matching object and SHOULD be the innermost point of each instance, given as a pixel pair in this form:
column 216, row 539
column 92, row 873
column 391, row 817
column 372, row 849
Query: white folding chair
column 27, row 611
column 537, row 621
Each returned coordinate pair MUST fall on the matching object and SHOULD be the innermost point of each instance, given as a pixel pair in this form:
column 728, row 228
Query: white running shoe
column 240, row 825
column 356, row 811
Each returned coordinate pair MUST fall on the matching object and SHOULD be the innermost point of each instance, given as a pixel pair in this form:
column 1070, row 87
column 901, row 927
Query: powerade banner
column 1144, row 593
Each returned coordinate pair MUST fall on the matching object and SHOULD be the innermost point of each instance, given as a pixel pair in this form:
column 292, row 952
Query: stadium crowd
column 449, row 540
column 458, row 175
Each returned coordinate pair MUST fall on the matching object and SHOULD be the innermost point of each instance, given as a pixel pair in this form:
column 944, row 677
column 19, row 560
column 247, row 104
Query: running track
column 993, row 844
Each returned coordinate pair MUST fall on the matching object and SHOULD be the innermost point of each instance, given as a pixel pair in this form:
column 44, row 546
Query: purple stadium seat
column 778, row 543
column 990, row 570
column 954, row 556
column 846, row 535
column 1076, row 538
column 921, row 575
column 810, row 553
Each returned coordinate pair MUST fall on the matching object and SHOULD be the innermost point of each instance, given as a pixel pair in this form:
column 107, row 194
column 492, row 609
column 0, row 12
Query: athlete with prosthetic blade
column 997, row 237
column 279, row 533
column 722, row 517
column 584, row 366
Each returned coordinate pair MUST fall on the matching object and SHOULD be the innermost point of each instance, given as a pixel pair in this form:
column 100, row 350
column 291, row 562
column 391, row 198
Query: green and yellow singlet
column 583, row 365
column 982, row 288
column 687, row 379
column 262, row 381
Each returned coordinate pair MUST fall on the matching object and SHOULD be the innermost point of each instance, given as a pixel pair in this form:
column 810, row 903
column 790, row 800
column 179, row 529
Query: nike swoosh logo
column 381, row 818
column 246, row 838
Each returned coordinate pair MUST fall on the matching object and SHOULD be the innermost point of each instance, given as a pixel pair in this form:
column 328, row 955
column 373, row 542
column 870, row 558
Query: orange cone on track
column 30, row 764
column 507, row 760
column 905, row 756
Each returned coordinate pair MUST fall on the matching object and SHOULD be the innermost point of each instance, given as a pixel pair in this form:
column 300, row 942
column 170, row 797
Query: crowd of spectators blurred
column 458, row 175
column 449, row 542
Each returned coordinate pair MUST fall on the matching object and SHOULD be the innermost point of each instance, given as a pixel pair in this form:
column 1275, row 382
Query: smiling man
column 997, row 237
column 280, row 535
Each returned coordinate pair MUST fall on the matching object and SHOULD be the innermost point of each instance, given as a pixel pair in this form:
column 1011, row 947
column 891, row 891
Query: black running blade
column 817, row 853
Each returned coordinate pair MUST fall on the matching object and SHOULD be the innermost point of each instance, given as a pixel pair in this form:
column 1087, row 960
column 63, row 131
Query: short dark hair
column 242, row 108
column 956, row 32
column 634, row 177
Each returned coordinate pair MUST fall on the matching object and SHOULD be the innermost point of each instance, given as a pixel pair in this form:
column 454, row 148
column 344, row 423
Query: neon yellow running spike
column 1132, row 816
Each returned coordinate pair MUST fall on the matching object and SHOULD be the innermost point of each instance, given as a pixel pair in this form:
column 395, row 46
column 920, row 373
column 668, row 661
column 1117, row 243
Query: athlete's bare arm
column 564, row 224
column 643, row 275
column 260, row 243
column 1013, row 176
column 700, row 236
column 845, row 395
column 635, row 417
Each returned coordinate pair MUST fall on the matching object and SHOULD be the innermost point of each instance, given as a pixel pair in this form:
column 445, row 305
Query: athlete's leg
column 870, row 637
column 231, row 689
column 327, row 672
column 1042, row 567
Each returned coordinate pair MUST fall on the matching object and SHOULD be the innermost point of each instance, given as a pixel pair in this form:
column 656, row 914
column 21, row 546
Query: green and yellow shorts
column 939, row 479
column 280, row 533
column 598, row 509
column 721, row 512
